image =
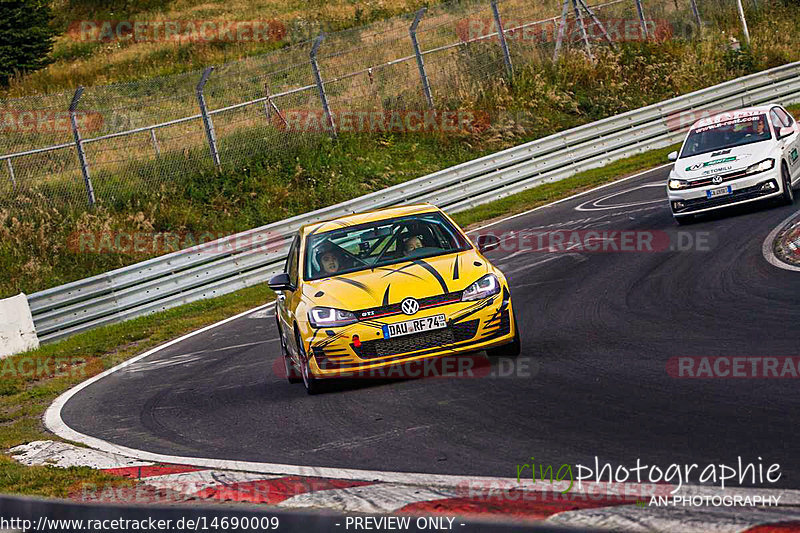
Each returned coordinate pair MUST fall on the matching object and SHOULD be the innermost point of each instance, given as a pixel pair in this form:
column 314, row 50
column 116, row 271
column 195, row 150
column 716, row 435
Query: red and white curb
column 594, row 508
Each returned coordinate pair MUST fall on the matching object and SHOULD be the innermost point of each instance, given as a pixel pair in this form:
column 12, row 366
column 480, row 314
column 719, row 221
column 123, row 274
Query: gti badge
column 716, row 179
column 409, row 306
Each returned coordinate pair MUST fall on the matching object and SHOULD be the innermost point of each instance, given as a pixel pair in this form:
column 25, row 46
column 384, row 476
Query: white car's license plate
column 414, row 326
column 722, row 191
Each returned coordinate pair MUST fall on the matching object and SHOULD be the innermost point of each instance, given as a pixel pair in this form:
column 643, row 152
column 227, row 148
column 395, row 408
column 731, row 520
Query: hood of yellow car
column 390, row 284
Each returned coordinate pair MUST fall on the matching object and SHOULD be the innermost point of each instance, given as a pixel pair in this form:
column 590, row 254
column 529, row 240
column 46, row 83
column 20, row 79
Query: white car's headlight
column 487, row 286
column 761, row 166
column 326, row 317
column 676, row 185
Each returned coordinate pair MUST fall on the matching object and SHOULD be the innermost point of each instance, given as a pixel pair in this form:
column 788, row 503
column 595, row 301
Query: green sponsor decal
column 698, row 166
column 793, row 155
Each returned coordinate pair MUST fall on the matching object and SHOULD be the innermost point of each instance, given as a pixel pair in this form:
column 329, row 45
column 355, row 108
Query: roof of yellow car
column 368, row 216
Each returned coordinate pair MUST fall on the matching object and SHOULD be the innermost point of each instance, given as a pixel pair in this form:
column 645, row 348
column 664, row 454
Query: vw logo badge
column 716, row 179
column 409, row 306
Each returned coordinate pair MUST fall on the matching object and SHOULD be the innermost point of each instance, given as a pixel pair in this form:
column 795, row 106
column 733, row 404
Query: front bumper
column 743, row 190
column 471, row 326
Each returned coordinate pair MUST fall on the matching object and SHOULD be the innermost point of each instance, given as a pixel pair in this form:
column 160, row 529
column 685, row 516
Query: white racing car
column 734, row 158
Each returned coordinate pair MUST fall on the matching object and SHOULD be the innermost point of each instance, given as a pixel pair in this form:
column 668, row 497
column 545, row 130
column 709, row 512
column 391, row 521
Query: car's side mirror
column 487, row 242
column 281, row 282
column 785, row 132
column 673, row 156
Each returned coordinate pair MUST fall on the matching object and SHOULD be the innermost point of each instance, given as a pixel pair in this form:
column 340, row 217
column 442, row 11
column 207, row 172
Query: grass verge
column 30, row 382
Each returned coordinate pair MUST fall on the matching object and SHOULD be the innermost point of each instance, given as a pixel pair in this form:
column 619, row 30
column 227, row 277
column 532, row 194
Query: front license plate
column 722, row 191
column 414, row 326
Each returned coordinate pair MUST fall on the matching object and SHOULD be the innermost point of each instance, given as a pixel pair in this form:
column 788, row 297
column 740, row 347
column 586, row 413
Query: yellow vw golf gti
column 389, row 287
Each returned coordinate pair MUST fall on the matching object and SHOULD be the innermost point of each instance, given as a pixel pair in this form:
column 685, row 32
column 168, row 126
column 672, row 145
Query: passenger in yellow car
column 412, row 243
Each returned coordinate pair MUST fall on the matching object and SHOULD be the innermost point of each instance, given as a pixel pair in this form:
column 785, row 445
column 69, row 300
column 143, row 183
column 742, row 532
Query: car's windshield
column 380, row 243
column 725, row 134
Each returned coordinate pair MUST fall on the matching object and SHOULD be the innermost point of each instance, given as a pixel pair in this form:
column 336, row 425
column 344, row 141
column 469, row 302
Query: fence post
column 155, row 142
column 412, row 31
column 562, row 28
column 743, row 21
column 318, row 80
column 696, row 12
column 11, row 174
column 207, row 122
column 498, row 22
column 582, row 26
column 87, row 179
column 267, row 102
column 596, row 21
column 640, row 11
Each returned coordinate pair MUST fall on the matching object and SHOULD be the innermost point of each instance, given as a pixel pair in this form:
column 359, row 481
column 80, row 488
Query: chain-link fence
column 107, row 144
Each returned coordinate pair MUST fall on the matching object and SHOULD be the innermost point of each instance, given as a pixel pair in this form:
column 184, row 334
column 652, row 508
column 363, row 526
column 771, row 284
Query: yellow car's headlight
column 487, row 286
column 327, row 317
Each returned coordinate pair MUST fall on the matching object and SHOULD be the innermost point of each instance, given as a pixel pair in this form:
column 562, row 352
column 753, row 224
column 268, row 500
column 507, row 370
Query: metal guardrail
column 251, row 257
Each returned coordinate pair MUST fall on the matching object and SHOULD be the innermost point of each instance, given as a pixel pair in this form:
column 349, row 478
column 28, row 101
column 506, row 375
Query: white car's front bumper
column 743, row 190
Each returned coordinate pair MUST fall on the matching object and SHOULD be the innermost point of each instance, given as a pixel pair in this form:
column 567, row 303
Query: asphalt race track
column 598, row 329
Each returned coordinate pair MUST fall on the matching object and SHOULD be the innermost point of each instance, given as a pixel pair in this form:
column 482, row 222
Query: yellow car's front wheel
column 312, row 384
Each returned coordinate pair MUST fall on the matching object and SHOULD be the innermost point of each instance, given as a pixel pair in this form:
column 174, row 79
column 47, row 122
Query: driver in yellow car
column 329, row 262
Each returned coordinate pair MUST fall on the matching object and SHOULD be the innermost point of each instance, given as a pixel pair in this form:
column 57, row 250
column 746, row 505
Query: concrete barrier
column 17, row 333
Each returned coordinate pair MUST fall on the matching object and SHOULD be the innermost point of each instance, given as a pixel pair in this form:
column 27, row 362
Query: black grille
column 747, row 193
column 394, row 309
column 418, row 341
column 505, row 324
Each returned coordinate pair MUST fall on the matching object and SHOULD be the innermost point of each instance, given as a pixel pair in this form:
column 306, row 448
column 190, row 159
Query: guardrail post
column 640, row 11
column 412, row 31
column 498, row 22
column 11, row 174
column 318, row 80
column 155, row 142
column 562, row 28
column 207, row 122
column 743, row 21
column 696, row 12
column 87, row 179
